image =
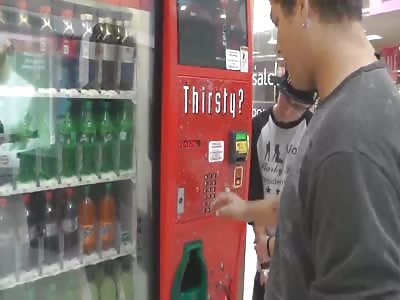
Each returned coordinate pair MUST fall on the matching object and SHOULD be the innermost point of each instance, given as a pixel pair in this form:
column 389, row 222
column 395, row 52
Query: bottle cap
column 45, row 9
column 3, row 202
column 48, row 195
column 67, row 13
column 26, row 198
column 22, row 4
column 69, row 192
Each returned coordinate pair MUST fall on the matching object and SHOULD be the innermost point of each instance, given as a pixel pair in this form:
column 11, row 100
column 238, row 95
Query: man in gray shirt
column 339, row 215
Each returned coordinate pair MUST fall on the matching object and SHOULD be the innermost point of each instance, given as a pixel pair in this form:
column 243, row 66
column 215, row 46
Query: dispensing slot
column 191, row 278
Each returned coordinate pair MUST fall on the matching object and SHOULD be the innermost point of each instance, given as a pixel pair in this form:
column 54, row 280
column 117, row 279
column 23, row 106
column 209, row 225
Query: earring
column 307, row 24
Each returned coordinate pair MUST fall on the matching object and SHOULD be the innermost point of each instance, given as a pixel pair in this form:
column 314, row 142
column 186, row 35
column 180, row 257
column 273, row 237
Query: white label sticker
column 244, row 60
column 232, row 59
column 215, row 151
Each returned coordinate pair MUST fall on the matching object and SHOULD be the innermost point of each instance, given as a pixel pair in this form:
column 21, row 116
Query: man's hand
column 230, row 205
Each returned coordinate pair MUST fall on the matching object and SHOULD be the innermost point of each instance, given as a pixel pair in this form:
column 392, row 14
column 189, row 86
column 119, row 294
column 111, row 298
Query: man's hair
column 330, row 11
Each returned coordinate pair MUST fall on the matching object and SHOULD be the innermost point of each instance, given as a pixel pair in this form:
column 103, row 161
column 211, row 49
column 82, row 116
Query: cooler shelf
column 74, row 264
column 31, row 187
column 30, row 92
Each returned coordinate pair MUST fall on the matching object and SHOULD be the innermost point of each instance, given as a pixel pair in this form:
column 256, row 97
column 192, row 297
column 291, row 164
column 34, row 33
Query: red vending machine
column 120, row 120
column 206, row 123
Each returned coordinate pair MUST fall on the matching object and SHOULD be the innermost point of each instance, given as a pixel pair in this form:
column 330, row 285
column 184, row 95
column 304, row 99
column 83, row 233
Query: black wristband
column 268, row 243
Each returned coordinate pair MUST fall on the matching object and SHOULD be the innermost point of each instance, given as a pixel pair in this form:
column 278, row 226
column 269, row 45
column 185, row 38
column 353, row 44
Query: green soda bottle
column 126, row 127
column 107, row 287
column 106, row 131
column 47, row 150
column 87, row 139
column 27, row 157
column 67, row 140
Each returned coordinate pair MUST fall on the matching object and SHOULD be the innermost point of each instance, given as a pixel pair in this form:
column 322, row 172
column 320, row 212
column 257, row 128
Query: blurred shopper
column 277, row 133
column 339, row 223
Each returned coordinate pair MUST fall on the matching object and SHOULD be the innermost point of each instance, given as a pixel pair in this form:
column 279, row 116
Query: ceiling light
column 373, row 37
column 183, row 7
column 223, row 16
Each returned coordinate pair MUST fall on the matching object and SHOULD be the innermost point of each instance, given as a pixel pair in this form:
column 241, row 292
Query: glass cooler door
column 72, row 133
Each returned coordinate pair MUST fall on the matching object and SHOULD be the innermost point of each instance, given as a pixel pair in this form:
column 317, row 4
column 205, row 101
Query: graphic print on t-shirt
column 276, row 148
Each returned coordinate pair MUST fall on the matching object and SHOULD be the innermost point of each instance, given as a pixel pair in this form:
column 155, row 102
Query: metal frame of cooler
column 146, row 211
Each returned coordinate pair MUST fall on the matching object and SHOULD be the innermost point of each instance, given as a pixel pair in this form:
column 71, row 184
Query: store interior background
column 381, row 23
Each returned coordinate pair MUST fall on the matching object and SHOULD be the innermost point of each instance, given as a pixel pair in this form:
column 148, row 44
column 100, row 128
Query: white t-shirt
column 274, row 145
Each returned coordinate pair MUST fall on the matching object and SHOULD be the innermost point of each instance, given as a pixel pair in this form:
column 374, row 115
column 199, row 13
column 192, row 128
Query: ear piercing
column 307, row 24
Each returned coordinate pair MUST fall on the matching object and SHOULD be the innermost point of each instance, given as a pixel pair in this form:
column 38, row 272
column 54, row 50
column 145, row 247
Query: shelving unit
column 32, row 187
column 69, row 265
column 30, row 92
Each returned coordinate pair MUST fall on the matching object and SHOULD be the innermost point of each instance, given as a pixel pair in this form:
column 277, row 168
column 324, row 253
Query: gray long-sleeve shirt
column 339, row 226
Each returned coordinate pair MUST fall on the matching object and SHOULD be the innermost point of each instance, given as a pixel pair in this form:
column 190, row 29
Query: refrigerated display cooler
column 120, row 120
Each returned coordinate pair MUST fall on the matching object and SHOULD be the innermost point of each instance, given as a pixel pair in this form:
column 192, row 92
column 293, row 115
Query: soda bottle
column 87, row 222
column 87, row 60
column 127, row 56
column 125, row 195
column 126, row 137
column 46, row 34
column 7, row 241
column 50, row 229
column 70, row 225
column 23, row 43
column 68, row 50
column 98, row 32
column 87, row 139
column 67, row 139
column 106, row 131
column 126, row 276
column 107, row 289
column 27, row 233
column 107, row 216
column 108, row 55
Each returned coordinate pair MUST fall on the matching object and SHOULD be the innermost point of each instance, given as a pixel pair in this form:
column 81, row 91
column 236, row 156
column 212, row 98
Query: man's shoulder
column 261, row 119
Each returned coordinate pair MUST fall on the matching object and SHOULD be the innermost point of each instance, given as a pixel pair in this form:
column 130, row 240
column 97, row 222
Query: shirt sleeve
column 354, row 230
column 256, row 190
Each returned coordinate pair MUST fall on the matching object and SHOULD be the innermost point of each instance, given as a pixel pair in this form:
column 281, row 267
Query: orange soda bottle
column 107, row 217
column 87, row 221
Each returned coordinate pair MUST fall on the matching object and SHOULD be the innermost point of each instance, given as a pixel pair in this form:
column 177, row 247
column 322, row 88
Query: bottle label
column 88, row 232
column 108, row 52
column 123, row 135
column 107, row 137
column 107, row 231
column 88, row 50
column 32, row 233
column 70, row 225
column 5, row 238
column 69, row 48
column 51, row 229
column 66, row 139
column 87, row 138
column 127, row 54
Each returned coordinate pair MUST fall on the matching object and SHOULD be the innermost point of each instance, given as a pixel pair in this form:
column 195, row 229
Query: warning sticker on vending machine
column 215, row 151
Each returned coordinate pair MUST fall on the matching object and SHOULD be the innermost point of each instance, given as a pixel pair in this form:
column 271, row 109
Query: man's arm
column 353, row 210
column 263, row 212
